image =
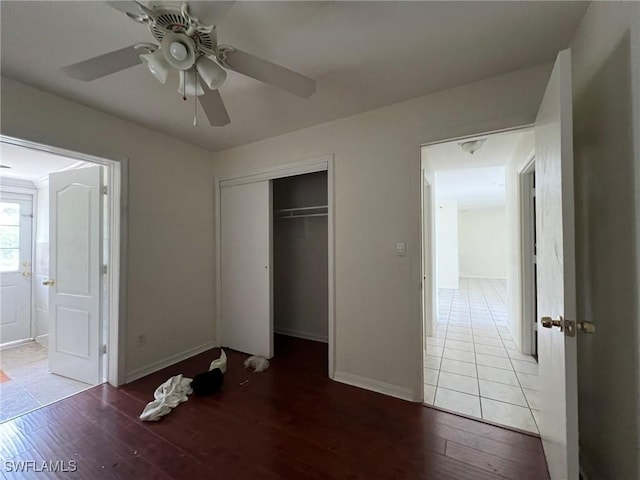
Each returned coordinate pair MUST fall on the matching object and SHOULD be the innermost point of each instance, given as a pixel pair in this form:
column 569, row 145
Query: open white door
column 556, row 274
column 75, row 250
column 245, row 268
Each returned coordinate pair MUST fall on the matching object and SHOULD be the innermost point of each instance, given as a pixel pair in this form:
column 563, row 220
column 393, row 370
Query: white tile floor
column 472, row 365
column 25, row 381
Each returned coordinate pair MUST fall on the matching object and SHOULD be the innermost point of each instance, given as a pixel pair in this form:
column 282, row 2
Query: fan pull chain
column 184, row 86
column 195, row 98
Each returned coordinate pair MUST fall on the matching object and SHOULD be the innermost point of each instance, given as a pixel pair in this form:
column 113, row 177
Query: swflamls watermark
column 56, row 466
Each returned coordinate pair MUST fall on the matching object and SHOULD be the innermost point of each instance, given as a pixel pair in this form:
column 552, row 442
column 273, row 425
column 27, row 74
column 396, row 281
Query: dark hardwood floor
column 288, row 422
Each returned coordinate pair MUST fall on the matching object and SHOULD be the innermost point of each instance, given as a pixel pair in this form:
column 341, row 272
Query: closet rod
column 301, row 209
column 303, row 216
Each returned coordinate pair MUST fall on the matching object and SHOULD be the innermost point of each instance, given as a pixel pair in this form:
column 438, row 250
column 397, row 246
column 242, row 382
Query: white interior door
column 245, row 268
column 75, row 253
column 556, row 273
column 16, row 224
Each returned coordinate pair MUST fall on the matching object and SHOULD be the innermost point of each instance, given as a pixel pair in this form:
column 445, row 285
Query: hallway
column 27, row 384
column 472, row 365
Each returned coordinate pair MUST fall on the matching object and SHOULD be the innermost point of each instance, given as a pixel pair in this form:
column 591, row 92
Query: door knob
column 569, row 326
column 586, row 327
column 548, row 322
column 49, row 283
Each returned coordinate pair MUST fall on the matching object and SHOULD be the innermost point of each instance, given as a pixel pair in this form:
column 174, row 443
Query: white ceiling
column 363, row 55
column 473, row 188
column 496, row 150
column 27, row 164
column 476, row 180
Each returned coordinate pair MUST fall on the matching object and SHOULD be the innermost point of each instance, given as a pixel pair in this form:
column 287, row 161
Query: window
column 9, row 237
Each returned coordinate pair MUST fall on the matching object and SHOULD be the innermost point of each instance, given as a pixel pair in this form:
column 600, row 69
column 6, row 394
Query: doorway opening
column 475, row 359
column 59, row 274
column 529, row 272
column 275, row 257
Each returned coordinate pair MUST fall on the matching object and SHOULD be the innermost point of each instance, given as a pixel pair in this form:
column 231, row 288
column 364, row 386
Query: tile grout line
column 513, row 366
column 473, row 337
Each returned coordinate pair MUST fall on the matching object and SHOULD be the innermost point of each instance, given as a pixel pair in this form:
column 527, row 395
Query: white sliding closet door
column 246, row 279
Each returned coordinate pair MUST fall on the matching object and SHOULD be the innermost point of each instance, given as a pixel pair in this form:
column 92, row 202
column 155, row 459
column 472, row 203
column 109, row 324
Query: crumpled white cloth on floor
column 175, row 391
column 220, row 363
column 167, row 397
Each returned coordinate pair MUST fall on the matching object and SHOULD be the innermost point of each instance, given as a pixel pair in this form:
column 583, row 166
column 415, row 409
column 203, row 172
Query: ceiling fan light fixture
column 179, row 50
column 211, row 73
column 157, row 65
column 189, row 84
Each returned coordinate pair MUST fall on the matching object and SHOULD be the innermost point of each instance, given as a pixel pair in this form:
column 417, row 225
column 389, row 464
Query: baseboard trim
column 483, row 277
column 43, row 339
column 303, row 335
column 366, row 383
column 167, row 362
column 16, row 343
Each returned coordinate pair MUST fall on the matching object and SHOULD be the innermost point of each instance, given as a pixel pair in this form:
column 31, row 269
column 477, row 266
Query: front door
column 75, row 268
column 556, row 295
column 16, row 223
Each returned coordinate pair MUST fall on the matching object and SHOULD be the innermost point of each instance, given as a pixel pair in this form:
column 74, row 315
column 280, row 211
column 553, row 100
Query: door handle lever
column 49, row 283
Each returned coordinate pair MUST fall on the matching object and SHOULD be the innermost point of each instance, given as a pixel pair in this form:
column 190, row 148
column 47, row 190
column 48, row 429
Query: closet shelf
column 303, row 212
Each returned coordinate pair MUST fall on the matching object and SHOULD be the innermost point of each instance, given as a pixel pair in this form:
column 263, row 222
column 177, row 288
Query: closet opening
column 275, row 263
column 300, row 257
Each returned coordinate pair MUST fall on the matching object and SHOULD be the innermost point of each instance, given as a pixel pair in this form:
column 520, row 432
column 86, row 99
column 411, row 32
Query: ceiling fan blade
column 270, row 73
column 214, row 108
column 103, row 65
column 210, row 13
column 127, row 6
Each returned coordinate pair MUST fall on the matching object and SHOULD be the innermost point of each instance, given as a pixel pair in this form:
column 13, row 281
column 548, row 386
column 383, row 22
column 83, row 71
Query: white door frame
column 318, row 164
column 527, row 266
column 431, row 258
column 117, row 201
column 428, row 305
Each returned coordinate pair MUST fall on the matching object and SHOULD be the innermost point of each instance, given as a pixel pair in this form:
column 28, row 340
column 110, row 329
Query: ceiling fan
column 189, row 45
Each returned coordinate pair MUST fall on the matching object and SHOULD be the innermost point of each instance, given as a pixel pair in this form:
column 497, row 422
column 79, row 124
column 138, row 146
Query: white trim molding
column 168, row 361
column 304, row 335
column 390, row 389
column 17, row 185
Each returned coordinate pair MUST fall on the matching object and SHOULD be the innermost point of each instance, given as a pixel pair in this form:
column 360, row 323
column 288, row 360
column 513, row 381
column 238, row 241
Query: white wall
column 482, row 243
column 606, row 81
column 377, row 203
column 447, row 244
column 515, row 165
column 171, row 254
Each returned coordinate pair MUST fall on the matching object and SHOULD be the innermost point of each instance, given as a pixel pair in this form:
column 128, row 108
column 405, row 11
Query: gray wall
column 606, row 78
column 301, row 295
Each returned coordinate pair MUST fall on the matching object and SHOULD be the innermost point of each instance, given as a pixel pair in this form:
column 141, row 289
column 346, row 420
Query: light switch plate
column 400, row 249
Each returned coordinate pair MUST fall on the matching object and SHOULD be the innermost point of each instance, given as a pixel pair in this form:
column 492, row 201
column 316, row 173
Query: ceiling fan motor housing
column 169, row 20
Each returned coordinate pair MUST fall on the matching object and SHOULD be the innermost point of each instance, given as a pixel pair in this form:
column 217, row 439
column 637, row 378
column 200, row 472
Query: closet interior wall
column 300, row 256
